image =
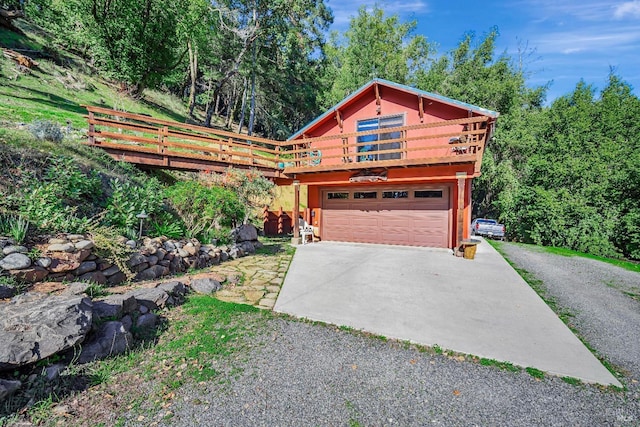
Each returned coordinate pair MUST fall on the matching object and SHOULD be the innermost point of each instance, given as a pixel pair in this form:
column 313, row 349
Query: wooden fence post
column 92, row 128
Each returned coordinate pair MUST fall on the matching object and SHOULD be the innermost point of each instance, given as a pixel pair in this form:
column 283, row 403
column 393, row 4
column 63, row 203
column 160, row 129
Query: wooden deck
column 151, row 142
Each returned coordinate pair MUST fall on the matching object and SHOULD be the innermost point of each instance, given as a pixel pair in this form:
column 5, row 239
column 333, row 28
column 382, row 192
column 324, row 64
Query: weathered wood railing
column 450, row 141
column 145, row 140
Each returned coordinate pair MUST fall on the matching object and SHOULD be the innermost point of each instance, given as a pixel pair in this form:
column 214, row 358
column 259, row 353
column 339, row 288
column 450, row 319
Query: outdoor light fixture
column 296, row 182
column 141, row 216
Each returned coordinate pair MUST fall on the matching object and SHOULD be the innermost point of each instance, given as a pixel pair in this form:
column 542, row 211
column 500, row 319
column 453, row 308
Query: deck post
column 92, row 128
column 462, row 177
column 296, row 212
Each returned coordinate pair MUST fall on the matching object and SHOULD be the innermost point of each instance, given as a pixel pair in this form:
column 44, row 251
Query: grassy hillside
column 61, row 83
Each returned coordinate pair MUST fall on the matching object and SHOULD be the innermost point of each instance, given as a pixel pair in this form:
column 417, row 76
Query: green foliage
column 167, row 225
column 253, row 190
column 108, row 246
column 53, row 201
column 203, row 208
column 374, row 46
column 45, row 130
column 128, row 200
column 535, row 373
column 13, row 226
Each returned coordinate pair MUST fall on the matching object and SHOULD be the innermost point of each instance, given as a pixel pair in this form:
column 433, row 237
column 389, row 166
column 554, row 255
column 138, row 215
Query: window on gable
column 373, row 144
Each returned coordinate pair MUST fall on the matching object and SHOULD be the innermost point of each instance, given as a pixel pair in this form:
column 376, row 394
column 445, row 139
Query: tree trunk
column 252, row 112
column 193, row 73
column 233, row 104
column 244, row 101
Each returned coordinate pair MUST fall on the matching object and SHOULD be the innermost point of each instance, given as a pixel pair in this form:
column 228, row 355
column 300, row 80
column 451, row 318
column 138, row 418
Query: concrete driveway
column 427, row 296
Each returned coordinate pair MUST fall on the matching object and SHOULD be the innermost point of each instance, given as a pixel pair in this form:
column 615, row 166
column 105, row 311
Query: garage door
column 414, row 216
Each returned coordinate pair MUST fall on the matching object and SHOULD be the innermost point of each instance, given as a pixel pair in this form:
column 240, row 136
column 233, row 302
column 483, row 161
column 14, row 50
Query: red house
column 390, row 164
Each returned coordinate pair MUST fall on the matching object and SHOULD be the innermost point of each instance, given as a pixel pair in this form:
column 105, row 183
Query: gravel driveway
column 308, row 374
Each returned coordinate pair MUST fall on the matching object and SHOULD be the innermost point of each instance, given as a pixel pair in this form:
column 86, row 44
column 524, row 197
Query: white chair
column 305, row 231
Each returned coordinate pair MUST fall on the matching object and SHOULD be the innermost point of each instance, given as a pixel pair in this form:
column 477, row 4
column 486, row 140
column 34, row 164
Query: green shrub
column 202, row 208
column 166, row 225
column 45, row 130
column 43, row 205
column 74, row 184
column 128, row 200
column 253, row 190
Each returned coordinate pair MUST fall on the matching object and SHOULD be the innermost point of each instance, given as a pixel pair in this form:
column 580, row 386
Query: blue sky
column 566, row 40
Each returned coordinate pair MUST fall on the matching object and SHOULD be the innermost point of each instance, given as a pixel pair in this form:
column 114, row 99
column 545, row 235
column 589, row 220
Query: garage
column 398, row 215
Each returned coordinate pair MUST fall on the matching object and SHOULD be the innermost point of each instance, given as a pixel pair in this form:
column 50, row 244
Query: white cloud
column 588, row 40
column 344, row 10
column 628, row 9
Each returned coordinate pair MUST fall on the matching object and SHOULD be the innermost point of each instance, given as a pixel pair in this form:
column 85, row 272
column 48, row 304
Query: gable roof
column 401, row 87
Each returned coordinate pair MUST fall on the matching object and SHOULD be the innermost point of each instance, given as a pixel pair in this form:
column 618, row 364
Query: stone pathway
column 255, row 279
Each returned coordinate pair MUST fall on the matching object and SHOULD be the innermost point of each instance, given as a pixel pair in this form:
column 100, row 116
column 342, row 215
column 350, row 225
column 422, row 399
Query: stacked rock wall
column 73, row 257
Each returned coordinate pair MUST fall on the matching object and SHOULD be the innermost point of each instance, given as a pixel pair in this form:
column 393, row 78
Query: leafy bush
column 202, row 208
column 167, row 225
column 128, row 200
column 253, row 190
column 43, row 205
column 74, row 184
column 45, row 130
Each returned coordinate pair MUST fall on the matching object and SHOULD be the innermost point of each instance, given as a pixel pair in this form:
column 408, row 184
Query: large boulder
column 245, row 233
column 110, row 339
column 34, row 326
column 205, row 285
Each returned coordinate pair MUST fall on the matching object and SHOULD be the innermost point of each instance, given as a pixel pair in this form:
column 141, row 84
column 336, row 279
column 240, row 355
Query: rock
column 244, row 233
column 61, row 247
column 127, row 322
column 131, row 243
column 160, row 254
column 62, row 262
column 183, row 253
column 152, row 260
column 86, row 267
column 15, row 261
column 34, row 326
column 111, row 339
column 143, row 309
column 110, row 307
column 8, row 387
column 152, row 272
column 12, row 249
column 190, row 249
column 136, row 259
column 247, row 247
column 175, row 289
column 117, row 278
column 205, row 286
column 140, row 267
column 5, row 242
column 75, row 237
column 224, row 256
column 93, row 277
column 235, row 252
column 6, row 291
column 147, row 321
column 56, row 241
column 31, row 275
column 53, row 371
column 152, row 298
column 111, row 270
column 76, row 288
column 44, row 262
column 169, row 246
column 84, row 244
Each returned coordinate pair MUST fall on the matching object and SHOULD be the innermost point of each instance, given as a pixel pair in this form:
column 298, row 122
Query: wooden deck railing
column 417, row 145
column 145, row 140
